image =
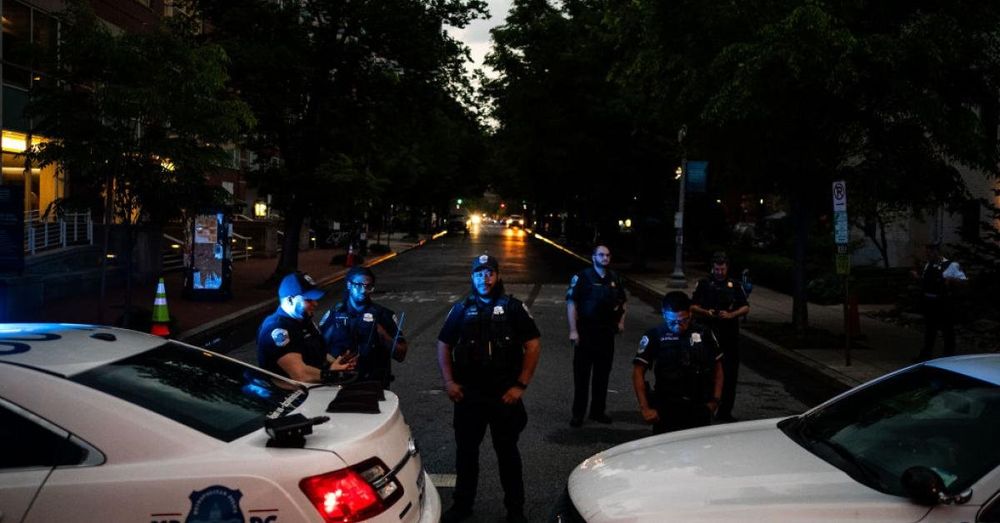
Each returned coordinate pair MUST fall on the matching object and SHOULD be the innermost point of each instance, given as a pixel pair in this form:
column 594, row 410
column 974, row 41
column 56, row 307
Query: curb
column 213, row 334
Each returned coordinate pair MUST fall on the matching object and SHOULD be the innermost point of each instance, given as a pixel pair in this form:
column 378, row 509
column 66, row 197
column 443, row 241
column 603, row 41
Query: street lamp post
column 677, row 278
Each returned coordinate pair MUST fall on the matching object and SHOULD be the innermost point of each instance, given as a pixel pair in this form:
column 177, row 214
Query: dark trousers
column 680, row 414
column 729, row 345
column 939, row 315
column 473, row 414
column 592, row 360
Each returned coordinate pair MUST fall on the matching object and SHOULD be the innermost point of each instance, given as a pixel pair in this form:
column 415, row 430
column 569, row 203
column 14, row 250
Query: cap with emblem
column 299, row 283
column 485, row 261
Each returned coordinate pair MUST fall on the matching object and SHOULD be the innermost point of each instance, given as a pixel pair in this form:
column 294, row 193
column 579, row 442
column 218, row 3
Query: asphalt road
column 424, row 283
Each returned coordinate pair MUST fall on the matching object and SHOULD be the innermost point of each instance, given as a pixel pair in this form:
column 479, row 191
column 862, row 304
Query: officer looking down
column 358, row 326
column 288, row 342
column 686, row 366
column 488, row 349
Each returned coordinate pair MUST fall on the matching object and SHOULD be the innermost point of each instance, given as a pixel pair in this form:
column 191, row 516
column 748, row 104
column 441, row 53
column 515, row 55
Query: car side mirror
column 926, row 487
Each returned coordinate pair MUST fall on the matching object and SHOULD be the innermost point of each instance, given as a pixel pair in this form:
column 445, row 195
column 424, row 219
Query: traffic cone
column 349, row 260
column 161, row 317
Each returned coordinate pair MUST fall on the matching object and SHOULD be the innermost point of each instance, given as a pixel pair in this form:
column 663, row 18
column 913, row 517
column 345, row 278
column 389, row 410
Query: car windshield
column 925, row 416
column 217, row 396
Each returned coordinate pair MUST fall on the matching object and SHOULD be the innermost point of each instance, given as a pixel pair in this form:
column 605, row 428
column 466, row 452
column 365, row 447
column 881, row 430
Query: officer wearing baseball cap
column 488, row 349
column 288, row 342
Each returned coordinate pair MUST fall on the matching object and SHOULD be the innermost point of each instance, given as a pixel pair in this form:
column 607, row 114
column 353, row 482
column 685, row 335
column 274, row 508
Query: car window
column 926, row 417
column 28, row 444
column 217, row 396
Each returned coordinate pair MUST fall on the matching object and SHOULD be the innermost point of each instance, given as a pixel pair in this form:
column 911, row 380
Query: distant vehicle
column 117, row 425
column 919, row 444
column 515, row 221
column 457, row 223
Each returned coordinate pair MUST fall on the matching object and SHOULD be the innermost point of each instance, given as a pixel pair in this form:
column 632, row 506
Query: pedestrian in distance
column 356, row 325
column 720, row 302
column 288, row 342
column 487, row 351
column 938, row 280
column 687, row 370
column 595, row 310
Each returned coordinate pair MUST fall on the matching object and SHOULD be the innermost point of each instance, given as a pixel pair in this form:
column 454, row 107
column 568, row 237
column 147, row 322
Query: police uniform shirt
column 936, row 273
column 724, row 295
column 683, row 364
column 281, row 334
column 598, row 299
column 346, row 329
column 483, row 364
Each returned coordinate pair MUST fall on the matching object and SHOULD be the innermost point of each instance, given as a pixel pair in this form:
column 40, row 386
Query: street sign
column 839, row 196
column 843, row 264
column 841, row 228
column 697, row 176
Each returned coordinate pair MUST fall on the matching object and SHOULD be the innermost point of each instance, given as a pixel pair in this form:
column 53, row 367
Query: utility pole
column 677, row 278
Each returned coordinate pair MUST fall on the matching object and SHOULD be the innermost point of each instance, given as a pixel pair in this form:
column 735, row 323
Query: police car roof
column 67, row 349
column 984, row 367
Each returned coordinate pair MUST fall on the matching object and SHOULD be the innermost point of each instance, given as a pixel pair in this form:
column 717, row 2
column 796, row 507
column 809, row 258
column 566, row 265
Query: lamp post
column 677, row 278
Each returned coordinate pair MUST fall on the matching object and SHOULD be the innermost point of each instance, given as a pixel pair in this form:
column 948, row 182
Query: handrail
column 171, row 238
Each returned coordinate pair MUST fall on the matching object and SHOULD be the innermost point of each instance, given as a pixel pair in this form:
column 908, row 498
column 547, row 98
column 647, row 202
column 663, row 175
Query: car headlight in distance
column 359, row 492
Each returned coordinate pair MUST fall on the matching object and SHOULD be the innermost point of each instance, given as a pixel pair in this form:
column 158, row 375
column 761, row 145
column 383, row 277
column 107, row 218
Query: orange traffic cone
column 161, row 317
column 350, row 260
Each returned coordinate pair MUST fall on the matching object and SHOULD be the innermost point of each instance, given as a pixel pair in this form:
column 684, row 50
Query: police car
column 920, row 444
column 105, row 424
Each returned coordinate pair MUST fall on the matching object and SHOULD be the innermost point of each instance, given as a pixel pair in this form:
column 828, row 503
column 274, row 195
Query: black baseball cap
column 485, row 260
column 299, row 284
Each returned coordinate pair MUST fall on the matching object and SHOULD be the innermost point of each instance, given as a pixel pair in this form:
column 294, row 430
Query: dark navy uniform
column 487, row 341
column 938, row 308
column 725, row 295
column 346, row 329
column 281, row 334
column 599, row 306
column 684, row 371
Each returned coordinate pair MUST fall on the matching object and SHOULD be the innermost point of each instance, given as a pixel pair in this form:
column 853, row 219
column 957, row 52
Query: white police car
column 920, row 444
column 105, row 424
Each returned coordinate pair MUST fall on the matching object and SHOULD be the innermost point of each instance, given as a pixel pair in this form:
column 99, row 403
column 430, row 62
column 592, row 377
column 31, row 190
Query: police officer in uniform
column 721, row 301
column 288, row 342
column 595, row 310
column 937, row 279
column 686, row 366
column 487, row 350
column 357, row 325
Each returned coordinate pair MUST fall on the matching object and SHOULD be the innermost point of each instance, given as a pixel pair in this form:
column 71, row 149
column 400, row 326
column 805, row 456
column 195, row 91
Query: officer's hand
column 712, row 405
column 725, row 315
column 512, row 396
column 399, row 354
column 454, row 391
column 347, row 361
column 650, row 415
column 574, row 337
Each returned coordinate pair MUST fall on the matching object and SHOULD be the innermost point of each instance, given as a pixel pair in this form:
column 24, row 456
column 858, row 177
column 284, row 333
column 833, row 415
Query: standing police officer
column 488, row 349
column 358, row 326
column 936, row 281
column 288, row 342
column 595, row 309
column 686, row 367
column 722, row 301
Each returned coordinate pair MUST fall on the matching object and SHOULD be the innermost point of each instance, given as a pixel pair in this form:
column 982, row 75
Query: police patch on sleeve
column 643, row 343
column 280, row 337
column 695, row 338
column 572, row 282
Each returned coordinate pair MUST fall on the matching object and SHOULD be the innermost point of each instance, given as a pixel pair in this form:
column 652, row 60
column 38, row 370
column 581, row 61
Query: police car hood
column 737, row 472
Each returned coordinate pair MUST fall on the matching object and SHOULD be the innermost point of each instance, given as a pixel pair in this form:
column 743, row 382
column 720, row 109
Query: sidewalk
column 881, row 347
column 252, row 292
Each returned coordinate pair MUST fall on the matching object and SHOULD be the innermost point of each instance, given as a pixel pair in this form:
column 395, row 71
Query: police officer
column 357, row 325
column 288, row 342
column 937, row 279
column 595, row 309
column 487, row 350
column 686, row 366
column 721, row 301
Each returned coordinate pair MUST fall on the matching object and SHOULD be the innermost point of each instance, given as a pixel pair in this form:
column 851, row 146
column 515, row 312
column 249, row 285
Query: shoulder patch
column 280, row 337
column 643, row 343
column 695, row 338
column 368, row 317
column 572, row 281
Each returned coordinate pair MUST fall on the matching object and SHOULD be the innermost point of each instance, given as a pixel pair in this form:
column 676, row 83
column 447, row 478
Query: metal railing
column 247, row 249
column 44, row 233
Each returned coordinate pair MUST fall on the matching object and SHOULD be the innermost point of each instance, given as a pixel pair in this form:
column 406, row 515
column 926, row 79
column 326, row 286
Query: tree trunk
column 800, row 304
column 289, row 259
column 109, row 186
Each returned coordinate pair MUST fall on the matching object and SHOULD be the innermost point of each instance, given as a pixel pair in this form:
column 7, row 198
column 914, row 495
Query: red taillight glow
column 342, row 496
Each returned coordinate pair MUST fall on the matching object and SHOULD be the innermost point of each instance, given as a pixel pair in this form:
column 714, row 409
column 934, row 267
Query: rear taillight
column 352, row 494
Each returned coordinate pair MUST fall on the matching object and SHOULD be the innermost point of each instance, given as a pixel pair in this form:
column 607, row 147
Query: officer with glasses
column 687, row 368
column 358, row 326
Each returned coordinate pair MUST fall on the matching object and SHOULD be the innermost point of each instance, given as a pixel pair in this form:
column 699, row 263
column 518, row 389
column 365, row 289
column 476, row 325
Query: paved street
column 425, row 282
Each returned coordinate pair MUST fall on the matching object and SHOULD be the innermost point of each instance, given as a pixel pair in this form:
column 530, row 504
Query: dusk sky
column 477, row 34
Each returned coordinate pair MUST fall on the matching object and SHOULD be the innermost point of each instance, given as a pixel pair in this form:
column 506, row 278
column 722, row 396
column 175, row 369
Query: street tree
column 136, row 117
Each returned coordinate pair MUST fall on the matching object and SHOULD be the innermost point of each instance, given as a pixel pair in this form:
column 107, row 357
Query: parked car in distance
column 457, row 223
column 919, row 444
column 103, row 424
column 515, row 220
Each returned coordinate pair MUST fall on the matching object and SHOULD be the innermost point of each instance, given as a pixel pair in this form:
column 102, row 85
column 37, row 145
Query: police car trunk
column 157, row 430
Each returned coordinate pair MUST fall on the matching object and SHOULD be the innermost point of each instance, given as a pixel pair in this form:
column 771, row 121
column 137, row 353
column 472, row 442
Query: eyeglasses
column 362, row 285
